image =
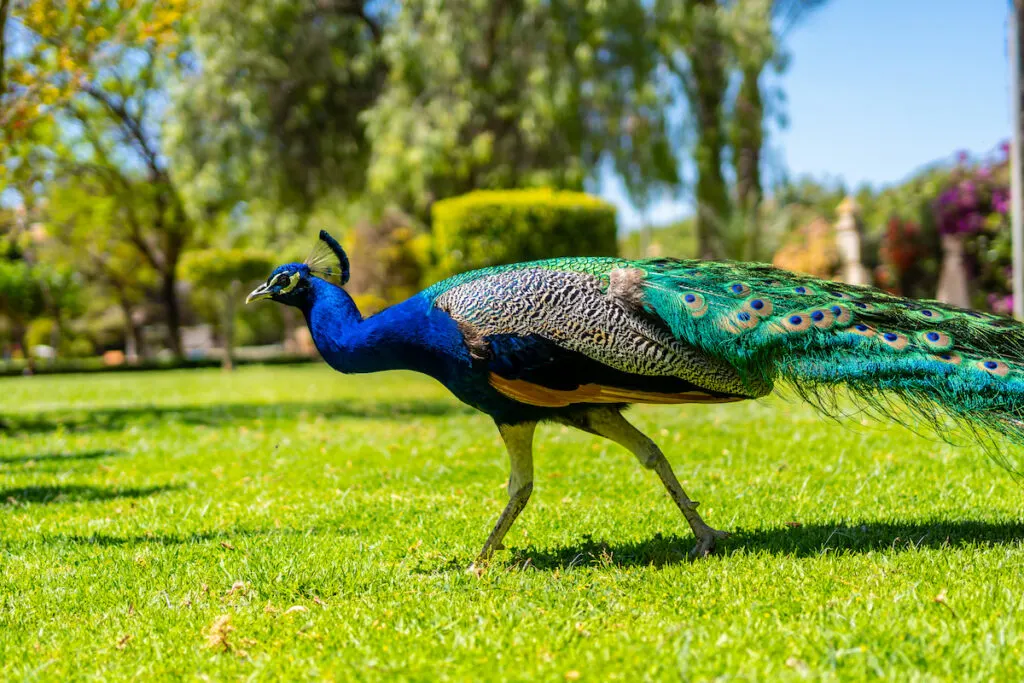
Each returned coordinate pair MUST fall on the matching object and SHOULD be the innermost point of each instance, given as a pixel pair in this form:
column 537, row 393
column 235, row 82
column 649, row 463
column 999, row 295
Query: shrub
column 389, row 256
column 487, row 228
column 80, row 347
column 222, row 272
column 39, row 333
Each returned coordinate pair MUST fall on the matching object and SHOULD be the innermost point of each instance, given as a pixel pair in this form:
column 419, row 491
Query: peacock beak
column 261, row 292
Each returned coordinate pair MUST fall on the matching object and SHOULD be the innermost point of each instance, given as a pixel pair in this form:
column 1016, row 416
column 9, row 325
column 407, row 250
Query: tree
column 708, row 45
column 86, row 233
column 223, row 272
column 693, row 41
column 508, row 94
column 759, row 29
column 284, row 85
column 29, row 289
column 86, row 100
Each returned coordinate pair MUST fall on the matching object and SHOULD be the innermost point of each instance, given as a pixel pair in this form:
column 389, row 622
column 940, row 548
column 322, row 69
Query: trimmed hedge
column 96, row 365
column 487, row 228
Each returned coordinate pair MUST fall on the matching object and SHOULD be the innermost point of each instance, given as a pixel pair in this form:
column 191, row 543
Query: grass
column 293, row 523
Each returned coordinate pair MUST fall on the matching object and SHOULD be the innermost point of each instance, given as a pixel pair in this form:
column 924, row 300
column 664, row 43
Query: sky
column 876, row 89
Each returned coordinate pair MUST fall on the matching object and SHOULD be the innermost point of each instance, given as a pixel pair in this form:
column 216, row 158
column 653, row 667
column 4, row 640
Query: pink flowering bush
column 975, row 203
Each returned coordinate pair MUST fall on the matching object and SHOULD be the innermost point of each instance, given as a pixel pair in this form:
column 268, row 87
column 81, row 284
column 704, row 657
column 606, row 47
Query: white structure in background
column 1016, row 151
column 852, row 271
column 953, row 276
column 197, row 341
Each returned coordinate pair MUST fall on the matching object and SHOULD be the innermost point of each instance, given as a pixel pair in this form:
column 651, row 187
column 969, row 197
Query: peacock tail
column 818, row 334
column 777, row 328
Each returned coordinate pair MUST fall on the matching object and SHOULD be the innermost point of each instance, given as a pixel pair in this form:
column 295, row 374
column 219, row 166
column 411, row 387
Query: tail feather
column 818, row 337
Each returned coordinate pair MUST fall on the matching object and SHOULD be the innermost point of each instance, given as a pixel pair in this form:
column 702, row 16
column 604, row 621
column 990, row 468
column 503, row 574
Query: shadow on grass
column 76, row 493
column 805, row 541
column 223, row 537
column 114, row 419
column 60, row 457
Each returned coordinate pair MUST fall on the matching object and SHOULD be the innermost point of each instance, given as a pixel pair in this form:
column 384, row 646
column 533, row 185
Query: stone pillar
column 953, row 276
column 852, row 271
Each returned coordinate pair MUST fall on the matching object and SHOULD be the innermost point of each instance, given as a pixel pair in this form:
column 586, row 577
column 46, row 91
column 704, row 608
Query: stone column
column 852, row 271
column 953, row 276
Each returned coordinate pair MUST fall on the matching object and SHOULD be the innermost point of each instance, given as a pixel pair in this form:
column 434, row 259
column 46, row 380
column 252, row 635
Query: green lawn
column 325, row 522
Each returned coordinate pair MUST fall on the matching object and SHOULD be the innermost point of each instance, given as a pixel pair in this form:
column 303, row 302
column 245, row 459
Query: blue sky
column 878, row 88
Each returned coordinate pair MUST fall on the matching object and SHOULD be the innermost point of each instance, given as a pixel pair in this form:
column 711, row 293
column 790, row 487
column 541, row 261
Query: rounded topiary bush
column 487, row 228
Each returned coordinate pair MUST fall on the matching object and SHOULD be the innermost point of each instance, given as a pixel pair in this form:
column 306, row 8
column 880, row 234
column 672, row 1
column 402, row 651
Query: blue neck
column 407, row 336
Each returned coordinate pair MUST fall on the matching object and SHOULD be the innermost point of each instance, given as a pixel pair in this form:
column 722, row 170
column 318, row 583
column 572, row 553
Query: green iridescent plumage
column 816, row 337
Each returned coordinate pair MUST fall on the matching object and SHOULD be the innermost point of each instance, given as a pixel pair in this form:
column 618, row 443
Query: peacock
column 577, row 340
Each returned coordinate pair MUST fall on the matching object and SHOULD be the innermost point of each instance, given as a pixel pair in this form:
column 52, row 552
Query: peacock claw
column 706, row 542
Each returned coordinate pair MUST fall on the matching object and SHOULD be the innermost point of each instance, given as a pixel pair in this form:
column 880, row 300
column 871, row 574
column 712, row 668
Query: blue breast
column 413, row 335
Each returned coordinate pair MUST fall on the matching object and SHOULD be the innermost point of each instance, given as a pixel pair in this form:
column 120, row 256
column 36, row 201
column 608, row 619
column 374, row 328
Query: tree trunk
column 291, row 324
column 18, row 331
column 229, row 326
column 748, row 137
column 169, row 297
column 708, row 68
column 133, row 341
column 56, row 334
column 5, row 7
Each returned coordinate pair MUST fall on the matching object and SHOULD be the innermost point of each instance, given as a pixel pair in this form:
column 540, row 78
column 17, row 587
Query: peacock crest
column 328, row 260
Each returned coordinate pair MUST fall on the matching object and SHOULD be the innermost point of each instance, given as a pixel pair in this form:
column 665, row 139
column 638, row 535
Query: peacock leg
column 610, row 424
column 519, row 443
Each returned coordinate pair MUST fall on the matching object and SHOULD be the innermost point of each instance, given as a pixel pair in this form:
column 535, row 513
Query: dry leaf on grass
column 217, row 634
column 238, row 587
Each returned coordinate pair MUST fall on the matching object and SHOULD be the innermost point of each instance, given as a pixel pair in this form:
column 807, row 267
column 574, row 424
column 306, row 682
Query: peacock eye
column 281, row 280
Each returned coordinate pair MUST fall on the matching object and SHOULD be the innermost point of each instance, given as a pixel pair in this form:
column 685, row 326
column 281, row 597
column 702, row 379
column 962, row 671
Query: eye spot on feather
column 695, row 304
column 739, row 322
column 739, row 289
column 802, row 290
column 895, row 340
column 929, row 315
column 796, row 322
column 839, row 295
column 862, row 306
column 935, row 340
column 762, row 308
column 823, row 319
column 863, row 330
column 994, row 367
column 951, row 358
column 842, row 314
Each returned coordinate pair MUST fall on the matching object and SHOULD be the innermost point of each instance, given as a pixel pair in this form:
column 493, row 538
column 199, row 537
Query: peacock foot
column 707, row 539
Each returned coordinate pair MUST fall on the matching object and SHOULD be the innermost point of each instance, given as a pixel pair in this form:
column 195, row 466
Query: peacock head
column 291, row 283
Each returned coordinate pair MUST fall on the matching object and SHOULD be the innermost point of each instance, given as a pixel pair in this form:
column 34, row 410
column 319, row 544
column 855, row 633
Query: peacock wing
column 556, row 337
